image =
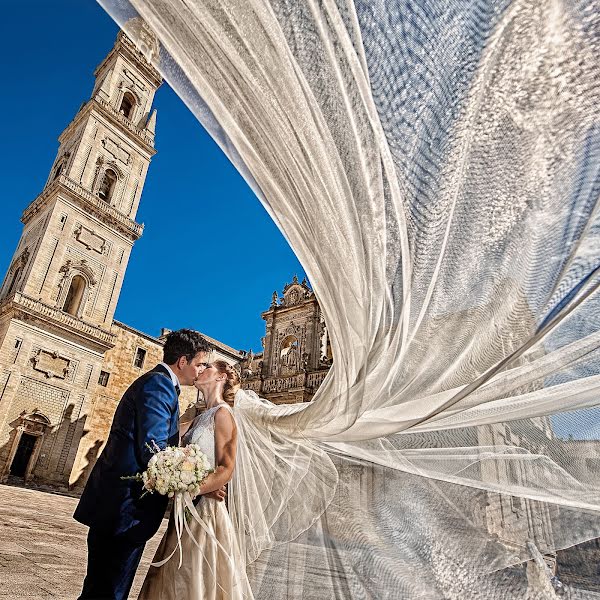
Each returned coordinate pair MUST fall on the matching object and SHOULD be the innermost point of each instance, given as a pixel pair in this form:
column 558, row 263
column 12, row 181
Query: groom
column 120, row 521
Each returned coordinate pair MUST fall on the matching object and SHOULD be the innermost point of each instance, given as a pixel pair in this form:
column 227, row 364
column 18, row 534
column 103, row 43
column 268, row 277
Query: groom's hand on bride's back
column 219, row 495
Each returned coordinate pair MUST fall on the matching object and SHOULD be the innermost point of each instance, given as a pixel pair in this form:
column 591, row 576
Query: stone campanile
column 59, row 295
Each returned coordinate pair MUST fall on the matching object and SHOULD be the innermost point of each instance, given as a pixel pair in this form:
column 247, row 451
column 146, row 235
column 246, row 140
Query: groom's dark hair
column 184, row 342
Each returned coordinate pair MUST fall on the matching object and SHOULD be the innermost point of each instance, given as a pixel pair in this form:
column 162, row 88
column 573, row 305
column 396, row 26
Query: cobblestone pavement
column 43, row 550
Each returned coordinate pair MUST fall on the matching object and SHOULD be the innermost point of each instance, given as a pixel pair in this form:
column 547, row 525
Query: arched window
column 58, row 170
column 14, row 280
column 127, row 105
column 107, row 186
column 75, row 295
column 328, row 351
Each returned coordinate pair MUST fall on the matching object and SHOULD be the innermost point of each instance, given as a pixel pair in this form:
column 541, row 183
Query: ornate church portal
column 28, row 437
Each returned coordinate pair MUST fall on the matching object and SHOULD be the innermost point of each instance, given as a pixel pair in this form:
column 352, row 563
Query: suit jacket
column 148, row 412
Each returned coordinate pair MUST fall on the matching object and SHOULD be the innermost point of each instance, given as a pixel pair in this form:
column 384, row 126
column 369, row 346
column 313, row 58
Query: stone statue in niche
column 305, row 360
column 290, row 355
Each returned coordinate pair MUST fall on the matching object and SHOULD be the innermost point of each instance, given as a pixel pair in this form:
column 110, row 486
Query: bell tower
column 59, row 295
column 78, row 233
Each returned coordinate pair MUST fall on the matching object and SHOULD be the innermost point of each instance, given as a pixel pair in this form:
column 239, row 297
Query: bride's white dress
column 206, row 573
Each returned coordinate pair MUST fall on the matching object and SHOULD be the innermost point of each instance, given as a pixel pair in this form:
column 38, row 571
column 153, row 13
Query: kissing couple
column 121, row 519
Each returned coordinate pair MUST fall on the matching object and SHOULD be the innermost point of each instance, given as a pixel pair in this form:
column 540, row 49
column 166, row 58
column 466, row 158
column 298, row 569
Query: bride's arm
column 225, row 446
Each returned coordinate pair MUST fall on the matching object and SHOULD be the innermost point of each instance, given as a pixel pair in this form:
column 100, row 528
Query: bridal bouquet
column 178, row 473
column 174, row 470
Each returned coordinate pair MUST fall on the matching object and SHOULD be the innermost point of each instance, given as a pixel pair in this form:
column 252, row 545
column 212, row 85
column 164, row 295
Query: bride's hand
column 219, row 494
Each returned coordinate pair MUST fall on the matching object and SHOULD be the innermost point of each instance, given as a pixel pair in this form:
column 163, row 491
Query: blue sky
column 214, row 261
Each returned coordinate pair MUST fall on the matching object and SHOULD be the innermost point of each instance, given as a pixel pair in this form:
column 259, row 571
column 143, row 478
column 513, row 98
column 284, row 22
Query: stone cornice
column 143, row 138
column 29, row 309
column 140, row 60
column 281, row 308
column 90, row 203
column 224, row 348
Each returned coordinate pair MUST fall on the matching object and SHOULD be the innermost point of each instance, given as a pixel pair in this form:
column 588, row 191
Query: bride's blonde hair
column 232, row 383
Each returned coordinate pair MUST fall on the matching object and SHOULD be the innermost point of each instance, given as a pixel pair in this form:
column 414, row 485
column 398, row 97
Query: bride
column 209, row 571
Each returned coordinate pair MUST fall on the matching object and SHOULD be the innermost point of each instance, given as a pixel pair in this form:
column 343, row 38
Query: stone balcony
column 309, row 382
column 143, row 134
column 314, row 380
column 283, row 384
column 87, row 201
column 26, row 308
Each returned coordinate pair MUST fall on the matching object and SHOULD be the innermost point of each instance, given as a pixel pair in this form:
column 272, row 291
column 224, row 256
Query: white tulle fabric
column 434, row 165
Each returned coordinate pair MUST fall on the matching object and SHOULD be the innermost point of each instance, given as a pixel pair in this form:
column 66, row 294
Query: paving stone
column 8, row 547
column 43, row 549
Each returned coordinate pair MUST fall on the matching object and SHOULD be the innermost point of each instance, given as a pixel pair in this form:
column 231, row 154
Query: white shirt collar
column 174, row 377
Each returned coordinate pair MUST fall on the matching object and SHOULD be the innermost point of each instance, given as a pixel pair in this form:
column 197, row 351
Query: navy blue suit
column 120, row 520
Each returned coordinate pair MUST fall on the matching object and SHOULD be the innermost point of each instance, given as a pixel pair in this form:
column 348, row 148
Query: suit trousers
column 112, row 563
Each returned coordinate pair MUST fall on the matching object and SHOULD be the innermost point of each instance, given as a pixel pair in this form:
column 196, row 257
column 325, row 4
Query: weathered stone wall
column 119, row 364
column 51, row 375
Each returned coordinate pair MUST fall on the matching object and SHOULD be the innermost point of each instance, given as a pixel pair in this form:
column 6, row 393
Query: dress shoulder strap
column 211, row 412
column 215, row 410
column 225, row 406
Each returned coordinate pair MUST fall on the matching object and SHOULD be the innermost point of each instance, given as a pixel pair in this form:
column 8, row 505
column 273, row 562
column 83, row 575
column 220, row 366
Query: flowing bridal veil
column 434, row 164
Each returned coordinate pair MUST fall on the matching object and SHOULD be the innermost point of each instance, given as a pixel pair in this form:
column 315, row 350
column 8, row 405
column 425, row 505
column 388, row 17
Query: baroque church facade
column 296, row 352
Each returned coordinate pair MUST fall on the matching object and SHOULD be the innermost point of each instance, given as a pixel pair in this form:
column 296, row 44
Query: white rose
column 187, row 477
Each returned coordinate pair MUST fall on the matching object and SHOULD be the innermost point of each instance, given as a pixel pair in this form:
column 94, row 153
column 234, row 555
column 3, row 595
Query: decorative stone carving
column 145, row 40
column 283, row 384
column 51, row 364
column 34, row 423
column 69, row 270
column 89, row 239
column 290, row 346
column 289, row 355
column 305, row 361
column 314, row 380
column 80, row 266
column 134, row 81
column 20, row 261
column 295, row 293
column 299, row 314
column 115, row 149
